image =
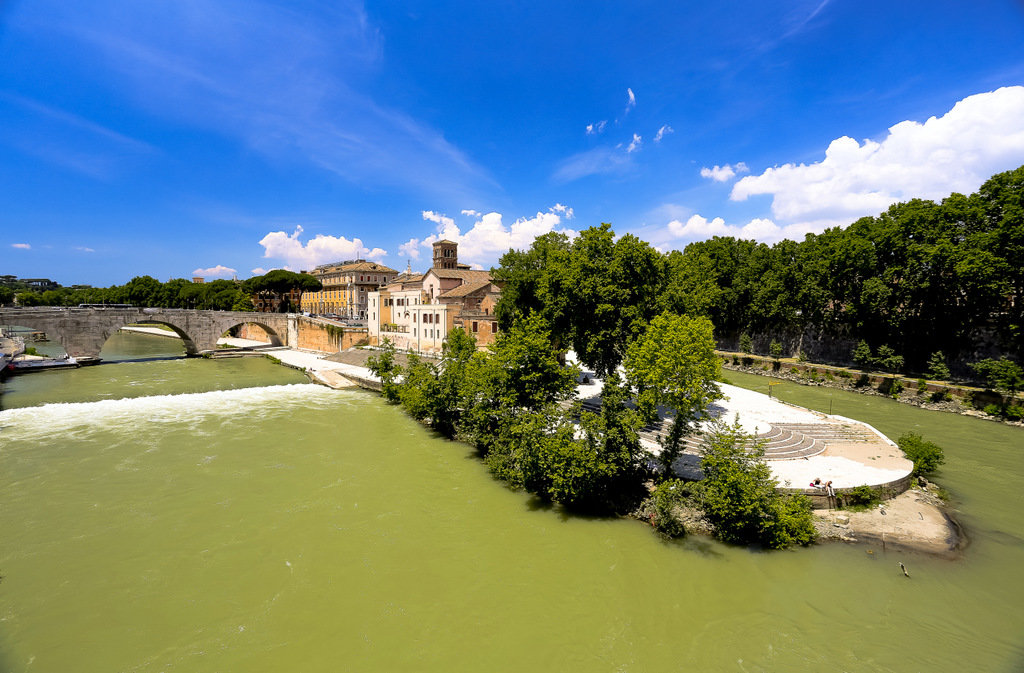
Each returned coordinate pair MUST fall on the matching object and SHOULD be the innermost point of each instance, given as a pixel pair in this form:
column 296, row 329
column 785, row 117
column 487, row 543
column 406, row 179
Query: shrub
column 922, row 386
column 862, row 355
column 738, row 494
column 746, row 343
column 775, row 349
column 801, row 356
column 664, row 500
column 937, row 369
column 887, row 360
column 927, row 456
column 859, row 497
column 843, row 374
column 1003, row 374
column 992, row 409
column 1014, row 412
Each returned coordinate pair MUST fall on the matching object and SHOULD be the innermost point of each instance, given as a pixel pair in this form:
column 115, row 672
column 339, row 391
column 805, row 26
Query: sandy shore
column 915, row 520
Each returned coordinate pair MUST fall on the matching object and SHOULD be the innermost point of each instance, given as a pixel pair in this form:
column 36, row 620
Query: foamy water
column 128, row 414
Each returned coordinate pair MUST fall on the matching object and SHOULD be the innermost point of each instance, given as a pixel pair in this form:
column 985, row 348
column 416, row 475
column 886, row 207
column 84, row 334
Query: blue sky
column 182, row 136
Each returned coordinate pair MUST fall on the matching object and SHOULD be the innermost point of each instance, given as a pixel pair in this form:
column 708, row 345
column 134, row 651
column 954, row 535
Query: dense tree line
column 515, row 404
column 919, row 279
column 218, row 295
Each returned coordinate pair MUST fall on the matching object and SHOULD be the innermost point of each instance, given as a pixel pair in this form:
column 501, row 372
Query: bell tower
column 446, row 254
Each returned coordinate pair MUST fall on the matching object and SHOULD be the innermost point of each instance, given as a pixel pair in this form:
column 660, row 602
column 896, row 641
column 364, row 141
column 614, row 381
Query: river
column 160, row 518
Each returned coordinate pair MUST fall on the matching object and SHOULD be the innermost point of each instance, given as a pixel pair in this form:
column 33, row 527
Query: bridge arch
column 274, row 338
column 190, row 345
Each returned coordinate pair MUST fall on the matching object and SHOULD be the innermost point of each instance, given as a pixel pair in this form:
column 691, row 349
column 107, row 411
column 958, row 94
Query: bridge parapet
column 82, row 331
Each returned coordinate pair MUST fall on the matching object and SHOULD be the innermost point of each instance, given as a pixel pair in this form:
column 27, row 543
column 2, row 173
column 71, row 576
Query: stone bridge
column 83, row 331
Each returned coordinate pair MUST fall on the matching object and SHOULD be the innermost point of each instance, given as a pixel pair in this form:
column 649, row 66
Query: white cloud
column 410, row 248
column 489, row 237
column 631, row 103
column 597, row 127
column 259, row 271
column 698, row 228
column 440, row 219
column 82, row 248
column 21, row 246
column 565, row 210
column 320, row 250
column 471, row 213
column 218, row 271
column 662, row 132
column 981, row 135
column 635, row 145
column 723, row 173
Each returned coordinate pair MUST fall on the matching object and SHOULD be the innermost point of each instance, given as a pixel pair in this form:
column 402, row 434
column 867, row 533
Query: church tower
column 446, row 254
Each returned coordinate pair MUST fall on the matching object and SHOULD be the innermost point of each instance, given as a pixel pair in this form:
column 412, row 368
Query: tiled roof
column 465, row 289
column 465, row 275
column 356, row 266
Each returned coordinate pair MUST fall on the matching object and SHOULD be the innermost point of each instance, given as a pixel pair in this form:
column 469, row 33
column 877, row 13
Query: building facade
column 346, row 288
column 417, row 311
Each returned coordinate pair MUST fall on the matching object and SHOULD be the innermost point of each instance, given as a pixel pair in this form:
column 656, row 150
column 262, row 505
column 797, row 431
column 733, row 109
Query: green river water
column 198, row 515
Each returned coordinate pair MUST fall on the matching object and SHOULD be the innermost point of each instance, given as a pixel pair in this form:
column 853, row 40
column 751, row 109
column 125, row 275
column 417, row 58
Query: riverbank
column 930, row 395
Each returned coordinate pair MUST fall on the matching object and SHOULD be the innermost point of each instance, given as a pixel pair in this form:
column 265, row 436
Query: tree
column 862, row 356
column 449, row 391
column 519, row 375
column 887, row 360
column 673, row 364
column 927, row 456
column 775, row 349
column 739, row 496
column 6, row 295
column 144, row 291
column 746, row 343
column 1003, row 374
column 937, row 369
column 384, row 366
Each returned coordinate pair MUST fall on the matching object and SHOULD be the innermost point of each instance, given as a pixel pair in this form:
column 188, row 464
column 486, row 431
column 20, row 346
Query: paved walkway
column 800, row 445
column 326, row 371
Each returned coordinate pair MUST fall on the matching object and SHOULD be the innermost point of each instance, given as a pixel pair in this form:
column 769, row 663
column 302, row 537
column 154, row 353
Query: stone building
column 346, row 288
column 417, row 311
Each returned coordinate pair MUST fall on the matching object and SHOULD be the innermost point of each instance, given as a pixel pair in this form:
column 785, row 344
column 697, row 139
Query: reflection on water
column 292, row 527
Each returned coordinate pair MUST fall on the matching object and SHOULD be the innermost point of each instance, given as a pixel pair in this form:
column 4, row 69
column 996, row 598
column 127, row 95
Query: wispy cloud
column 662, row 132
column 82, row 248
column 630, row 101
column 596, row 128
column 21, row 246
column 598, row 161
column 635, row 144
column 288, row 84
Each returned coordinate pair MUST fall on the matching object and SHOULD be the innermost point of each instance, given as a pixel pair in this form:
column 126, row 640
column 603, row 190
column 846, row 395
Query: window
column 437, row 317
column 474, row 327
column 494, row 328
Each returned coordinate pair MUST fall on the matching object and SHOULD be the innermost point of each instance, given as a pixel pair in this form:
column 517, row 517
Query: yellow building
column 345, row 288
